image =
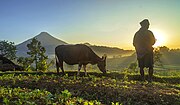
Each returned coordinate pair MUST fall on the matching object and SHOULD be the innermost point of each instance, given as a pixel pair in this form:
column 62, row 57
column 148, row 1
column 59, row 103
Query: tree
column 157, row 56
column 25, row 62
column 163, row 49
column 37, row 53
column 8, row 49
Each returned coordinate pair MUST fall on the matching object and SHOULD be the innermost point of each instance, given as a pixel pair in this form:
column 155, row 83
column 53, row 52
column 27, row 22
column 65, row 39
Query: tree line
column 36, row 54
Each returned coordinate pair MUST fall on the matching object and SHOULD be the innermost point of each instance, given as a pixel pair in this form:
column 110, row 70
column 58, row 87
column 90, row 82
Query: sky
column 98, row 22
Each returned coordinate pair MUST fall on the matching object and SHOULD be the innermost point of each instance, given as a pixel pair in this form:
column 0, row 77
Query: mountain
column 47, row 41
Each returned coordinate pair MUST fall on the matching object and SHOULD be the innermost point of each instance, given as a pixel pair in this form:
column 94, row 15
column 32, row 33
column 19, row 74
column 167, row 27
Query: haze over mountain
column 50, row 42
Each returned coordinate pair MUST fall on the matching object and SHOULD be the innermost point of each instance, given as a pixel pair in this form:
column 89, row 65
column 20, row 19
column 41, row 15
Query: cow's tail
column 57, row 60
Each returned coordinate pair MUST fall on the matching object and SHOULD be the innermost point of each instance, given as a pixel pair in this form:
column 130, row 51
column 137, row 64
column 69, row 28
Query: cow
column 78, row 54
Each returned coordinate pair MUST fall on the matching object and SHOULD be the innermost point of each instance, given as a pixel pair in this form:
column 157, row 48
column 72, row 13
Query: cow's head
column 102, row 64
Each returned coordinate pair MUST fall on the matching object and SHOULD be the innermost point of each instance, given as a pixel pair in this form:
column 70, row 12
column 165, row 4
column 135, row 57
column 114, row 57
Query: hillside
column 111, row 51
column 171, row 57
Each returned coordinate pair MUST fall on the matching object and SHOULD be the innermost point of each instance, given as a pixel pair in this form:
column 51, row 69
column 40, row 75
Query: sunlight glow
column 160, row 37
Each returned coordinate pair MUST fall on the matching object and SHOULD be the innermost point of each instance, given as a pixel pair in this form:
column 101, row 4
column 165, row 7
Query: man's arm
column 152, row 38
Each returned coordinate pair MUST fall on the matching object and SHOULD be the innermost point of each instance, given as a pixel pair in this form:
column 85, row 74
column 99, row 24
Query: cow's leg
column 79, row 68
column 84, row 66
column 59, row 64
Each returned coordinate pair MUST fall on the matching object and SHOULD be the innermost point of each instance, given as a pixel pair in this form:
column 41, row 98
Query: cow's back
column 73, row 54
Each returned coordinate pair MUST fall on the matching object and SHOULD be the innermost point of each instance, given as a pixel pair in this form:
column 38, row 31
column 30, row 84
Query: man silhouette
column 143, row 42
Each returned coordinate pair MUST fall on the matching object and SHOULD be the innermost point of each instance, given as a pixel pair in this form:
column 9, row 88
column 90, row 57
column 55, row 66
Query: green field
column 113, row 88
column 120, row 86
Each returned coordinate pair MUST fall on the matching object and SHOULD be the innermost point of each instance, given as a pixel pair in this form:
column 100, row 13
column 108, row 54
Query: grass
column 173, row 67
column 97, row 88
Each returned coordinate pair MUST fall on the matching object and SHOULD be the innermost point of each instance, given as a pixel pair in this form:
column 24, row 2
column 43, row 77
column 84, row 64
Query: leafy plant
column 65, row 95
column 25, row 62
column 133, row 67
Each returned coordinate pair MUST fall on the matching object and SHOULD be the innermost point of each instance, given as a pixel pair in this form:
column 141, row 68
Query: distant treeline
column 170, row 56
column 111, row 51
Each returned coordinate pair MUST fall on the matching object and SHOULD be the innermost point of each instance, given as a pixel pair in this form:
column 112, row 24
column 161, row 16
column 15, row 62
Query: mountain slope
column 47, row 41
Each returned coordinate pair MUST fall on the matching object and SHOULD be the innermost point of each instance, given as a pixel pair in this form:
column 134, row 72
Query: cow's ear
column 104, row 57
